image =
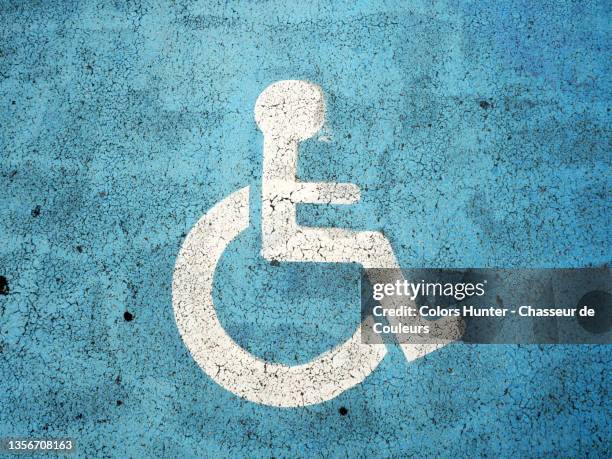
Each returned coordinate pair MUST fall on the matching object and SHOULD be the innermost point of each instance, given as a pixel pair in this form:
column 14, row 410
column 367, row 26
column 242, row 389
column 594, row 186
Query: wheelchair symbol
column 287, row 112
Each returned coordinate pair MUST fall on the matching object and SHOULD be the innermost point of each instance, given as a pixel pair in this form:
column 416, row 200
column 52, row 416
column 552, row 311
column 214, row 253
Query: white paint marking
column 287, row 112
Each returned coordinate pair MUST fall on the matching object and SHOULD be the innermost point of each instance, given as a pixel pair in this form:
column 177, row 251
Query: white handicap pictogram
column 287, row 112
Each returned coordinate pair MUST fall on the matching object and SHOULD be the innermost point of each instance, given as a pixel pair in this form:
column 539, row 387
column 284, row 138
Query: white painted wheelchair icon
column 287, row 112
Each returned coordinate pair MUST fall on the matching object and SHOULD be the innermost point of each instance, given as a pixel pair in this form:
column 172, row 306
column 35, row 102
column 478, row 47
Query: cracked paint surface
column 287, row 112
column 477, row 133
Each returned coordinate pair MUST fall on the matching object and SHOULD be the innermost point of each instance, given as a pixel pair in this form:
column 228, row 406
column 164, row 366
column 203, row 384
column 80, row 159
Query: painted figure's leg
column 372, row 250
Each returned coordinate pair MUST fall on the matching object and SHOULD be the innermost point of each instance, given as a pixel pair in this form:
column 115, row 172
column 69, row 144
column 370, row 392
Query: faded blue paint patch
column 478, row 131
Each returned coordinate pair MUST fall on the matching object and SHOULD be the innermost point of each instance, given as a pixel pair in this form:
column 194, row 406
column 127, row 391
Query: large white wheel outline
column 220, row 357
